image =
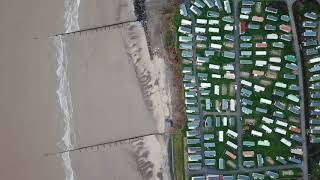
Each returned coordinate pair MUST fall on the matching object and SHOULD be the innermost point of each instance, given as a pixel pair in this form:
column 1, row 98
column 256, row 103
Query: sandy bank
column 97, row 13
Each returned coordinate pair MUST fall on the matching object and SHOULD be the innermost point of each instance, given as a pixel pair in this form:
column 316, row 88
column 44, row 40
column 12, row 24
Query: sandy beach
column 117, row 92
column 97, row 13
column 107, row 99
column 28, row 106
column 115, row 97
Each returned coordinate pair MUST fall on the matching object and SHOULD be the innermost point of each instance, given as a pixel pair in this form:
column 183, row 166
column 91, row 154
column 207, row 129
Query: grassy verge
column 178, row 155
column 169, row 24
column 314, row 170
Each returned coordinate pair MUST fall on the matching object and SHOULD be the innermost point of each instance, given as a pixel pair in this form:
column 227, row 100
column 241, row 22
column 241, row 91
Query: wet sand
column 114, row 98
column 107, row 99
column 136, row 161
column 28, row 105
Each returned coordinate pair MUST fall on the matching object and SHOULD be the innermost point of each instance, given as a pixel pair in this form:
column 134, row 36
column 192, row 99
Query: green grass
column 315, row 170
column 178, row 155
column 276, row 148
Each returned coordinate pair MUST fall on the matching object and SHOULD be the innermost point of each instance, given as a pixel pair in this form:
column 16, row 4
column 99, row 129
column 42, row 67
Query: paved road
column 301, row 79
column 243, row 171
column 194, row 59
column 220, row 113
column 237, row 74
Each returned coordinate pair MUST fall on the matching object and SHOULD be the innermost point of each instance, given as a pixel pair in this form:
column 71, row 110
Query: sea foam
column 71, row 15
column 65, row 103
column 71, row 24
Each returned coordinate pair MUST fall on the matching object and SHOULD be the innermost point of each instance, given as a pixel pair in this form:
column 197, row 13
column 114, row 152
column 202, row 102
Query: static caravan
column 214, row 30
column 256, row 133
column 185, row 38
column 213, row 22
column 195, row 10
column 314, row 60
column 200, row 30
column 185, row 22
column 281, row 85
column 220, row 136
column 267, row 120
column 184, row 30
column 243, row 16
column 258, row 88
column 209, row 3
column 215, row 46
column 275, row 59
column 246, row 83
column 202, row 21
column 205, row 85
column 228, row 27
column 286, row 142
column 281, row 123
column 260, row 63
column 227, row 6
column 266, row 128
column 232, row 145
column 232, row 134
column 265, row 101
column 261, row 53
column 216, row 76
column 274, row 68
column 216, row 38
column 216, row 90
column 280, row 131
column 214, row 66
column 272, row 36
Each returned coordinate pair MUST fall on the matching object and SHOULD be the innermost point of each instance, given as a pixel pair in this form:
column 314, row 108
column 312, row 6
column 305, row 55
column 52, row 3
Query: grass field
column 276, row 148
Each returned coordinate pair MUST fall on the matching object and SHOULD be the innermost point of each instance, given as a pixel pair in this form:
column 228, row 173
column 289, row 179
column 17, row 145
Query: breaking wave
column 71, row 15
column 65, row 102
column 71, row 24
